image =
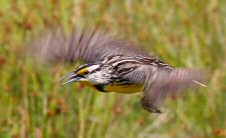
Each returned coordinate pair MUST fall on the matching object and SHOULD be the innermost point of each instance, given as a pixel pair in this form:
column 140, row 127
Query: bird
column 113, row 64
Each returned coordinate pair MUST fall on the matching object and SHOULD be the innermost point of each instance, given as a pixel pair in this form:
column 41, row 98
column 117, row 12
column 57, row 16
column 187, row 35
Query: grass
column 182, row 33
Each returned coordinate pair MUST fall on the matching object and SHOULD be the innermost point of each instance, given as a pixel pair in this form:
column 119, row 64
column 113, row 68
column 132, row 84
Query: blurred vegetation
column 188, row 33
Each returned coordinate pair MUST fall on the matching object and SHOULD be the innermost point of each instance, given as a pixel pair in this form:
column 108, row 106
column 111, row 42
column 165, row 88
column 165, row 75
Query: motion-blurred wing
column 162, row 81
column 82, row 45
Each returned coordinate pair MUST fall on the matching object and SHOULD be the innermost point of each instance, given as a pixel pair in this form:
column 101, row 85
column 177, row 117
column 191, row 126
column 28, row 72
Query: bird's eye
column 86, row 72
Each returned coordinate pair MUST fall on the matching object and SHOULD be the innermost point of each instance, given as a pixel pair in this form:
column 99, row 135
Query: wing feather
column 160, row 82
column 165, row 83
column 88, row 46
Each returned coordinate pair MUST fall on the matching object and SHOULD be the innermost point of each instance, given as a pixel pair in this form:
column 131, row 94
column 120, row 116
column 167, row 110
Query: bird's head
column 89, row 73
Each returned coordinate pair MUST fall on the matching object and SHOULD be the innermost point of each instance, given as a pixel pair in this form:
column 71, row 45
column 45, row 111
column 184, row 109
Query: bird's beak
column 71, row 77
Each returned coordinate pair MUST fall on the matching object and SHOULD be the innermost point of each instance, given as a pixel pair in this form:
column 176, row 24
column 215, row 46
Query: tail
column 184, row 78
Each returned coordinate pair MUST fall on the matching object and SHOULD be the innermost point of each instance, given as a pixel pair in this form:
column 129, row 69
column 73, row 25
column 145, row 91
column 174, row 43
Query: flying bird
column 112, row 64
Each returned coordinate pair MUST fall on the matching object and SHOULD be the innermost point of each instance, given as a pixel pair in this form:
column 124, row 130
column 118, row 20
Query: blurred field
column 183, row 33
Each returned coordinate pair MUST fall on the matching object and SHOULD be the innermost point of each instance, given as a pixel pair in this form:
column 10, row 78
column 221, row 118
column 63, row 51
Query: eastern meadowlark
column 115, row 65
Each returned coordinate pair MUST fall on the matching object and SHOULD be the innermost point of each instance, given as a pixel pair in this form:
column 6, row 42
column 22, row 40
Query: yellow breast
column 118, row 88
column 125, row 89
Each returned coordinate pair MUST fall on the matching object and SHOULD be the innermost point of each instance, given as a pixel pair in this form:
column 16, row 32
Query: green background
column 184, row 33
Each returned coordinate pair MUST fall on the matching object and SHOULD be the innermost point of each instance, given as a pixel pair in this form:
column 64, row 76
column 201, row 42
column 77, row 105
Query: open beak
column 71, row 77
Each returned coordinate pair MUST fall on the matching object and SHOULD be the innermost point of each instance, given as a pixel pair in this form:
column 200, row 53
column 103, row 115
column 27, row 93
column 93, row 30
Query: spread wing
column 159, row 82
column 88, row 46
